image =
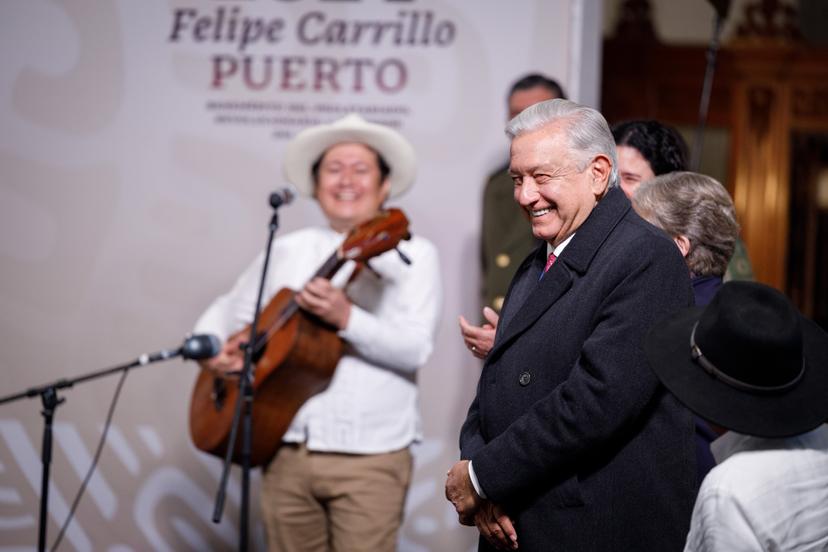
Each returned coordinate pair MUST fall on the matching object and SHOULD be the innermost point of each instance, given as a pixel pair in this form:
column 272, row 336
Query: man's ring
column 473, row 349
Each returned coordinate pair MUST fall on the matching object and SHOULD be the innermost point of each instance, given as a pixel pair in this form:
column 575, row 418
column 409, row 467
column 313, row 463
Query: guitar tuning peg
column 403, row 257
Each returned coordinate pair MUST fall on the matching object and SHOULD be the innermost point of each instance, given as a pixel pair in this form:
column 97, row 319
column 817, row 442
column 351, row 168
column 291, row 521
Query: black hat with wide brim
column 747, row 362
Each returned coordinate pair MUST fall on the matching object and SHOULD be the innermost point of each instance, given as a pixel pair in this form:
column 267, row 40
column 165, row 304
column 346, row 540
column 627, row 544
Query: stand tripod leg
column 50, row 403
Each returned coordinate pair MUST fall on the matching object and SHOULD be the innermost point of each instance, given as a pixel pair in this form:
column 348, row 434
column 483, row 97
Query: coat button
column 503, row 260
column 525, row 378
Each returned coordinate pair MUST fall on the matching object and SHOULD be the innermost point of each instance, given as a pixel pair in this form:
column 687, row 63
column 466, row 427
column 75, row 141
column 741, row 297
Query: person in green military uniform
column 739, row 267
column 506, row 236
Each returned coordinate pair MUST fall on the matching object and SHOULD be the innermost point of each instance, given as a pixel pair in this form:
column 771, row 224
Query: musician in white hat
column 339, row 480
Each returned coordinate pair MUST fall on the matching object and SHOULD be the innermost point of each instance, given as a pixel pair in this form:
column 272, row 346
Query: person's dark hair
column 536, row 79
column 384, row 169
column 661, row 145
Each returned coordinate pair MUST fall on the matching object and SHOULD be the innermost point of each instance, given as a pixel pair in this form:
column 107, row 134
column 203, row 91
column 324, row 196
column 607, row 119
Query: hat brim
column 800, row 409
column 307, row 146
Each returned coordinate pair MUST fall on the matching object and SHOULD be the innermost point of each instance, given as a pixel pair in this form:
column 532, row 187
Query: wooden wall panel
column 762, row 92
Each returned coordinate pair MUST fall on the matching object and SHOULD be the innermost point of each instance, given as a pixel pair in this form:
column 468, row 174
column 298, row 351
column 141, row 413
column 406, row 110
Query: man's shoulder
column 319, row 236
column 756, row 465
column 635, row 251
column 645, row 239
column 419, row 243
column 307, row 236
column 615, row 233
column 640, row 229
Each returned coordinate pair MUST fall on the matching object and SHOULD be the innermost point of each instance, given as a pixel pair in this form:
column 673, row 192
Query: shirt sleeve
column 476, row 484
column 233, row 310
column 402, row 339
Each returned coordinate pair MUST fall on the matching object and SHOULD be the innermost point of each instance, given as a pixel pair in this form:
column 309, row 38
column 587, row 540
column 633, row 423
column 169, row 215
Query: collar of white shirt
column 732, row 442
column 558, row 250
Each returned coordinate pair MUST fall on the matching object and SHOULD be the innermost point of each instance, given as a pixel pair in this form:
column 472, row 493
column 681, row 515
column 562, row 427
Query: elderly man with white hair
column 339, row 480
column 571, row 442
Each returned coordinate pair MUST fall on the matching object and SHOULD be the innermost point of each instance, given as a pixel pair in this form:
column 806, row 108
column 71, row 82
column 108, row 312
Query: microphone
column 281, row 197
column 200, row 347
column 195, row 347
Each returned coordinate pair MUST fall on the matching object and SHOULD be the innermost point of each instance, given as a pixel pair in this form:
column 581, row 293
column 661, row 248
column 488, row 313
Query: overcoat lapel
column 533, row 298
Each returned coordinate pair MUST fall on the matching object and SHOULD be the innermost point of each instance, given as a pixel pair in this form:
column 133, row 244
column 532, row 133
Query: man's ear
column 683, row 243
column 600, row 169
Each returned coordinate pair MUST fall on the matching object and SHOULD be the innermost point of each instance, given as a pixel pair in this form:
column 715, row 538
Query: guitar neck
column 327, row 271
column 329, row 267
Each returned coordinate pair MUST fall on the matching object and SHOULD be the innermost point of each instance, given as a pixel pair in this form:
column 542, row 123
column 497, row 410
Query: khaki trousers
column 320, row 502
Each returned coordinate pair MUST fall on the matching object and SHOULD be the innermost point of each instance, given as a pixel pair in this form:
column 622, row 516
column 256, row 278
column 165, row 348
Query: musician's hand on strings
column 329, row 303
column 231, row 357
column 479, row 339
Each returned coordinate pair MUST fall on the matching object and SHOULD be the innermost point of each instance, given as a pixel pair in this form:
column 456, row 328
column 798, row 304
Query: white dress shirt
column 371, row 404
column 765, row 494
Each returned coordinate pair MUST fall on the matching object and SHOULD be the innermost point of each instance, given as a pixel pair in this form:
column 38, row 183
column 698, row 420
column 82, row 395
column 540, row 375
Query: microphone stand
column 244, row 402
column 707, row 85
column 50, row 399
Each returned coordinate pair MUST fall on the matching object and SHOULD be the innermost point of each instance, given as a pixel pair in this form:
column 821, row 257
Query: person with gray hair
column 571, row 443
column 587, row 130
column 648, row 148
column 697, row 213
column 505, row 234
column 587, row 137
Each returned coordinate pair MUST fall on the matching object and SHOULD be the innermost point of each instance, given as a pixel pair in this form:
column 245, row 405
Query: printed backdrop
column 140, row 141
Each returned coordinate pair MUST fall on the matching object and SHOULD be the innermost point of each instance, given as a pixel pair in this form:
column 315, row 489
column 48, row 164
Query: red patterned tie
column 549, row 262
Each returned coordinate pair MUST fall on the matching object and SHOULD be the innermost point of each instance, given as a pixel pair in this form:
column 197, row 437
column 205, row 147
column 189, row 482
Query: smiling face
column 633, row 169
column 557, row 190
column 349, row 185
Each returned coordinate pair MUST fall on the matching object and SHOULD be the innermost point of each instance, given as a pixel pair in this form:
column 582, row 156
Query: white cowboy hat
column 306, row 147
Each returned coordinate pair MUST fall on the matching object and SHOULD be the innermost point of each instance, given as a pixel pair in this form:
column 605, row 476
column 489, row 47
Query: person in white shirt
column 751, row 364
column 339, row 480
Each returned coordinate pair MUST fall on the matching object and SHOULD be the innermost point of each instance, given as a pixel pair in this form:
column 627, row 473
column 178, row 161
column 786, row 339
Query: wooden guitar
column 295, row 356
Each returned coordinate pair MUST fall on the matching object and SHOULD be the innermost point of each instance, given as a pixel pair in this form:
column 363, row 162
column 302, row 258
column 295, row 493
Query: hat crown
column 758, row 366
column 307, row 147
column 752, row 334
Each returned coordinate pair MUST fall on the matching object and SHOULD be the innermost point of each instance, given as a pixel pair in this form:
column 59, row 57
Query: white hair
column 588, row 133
